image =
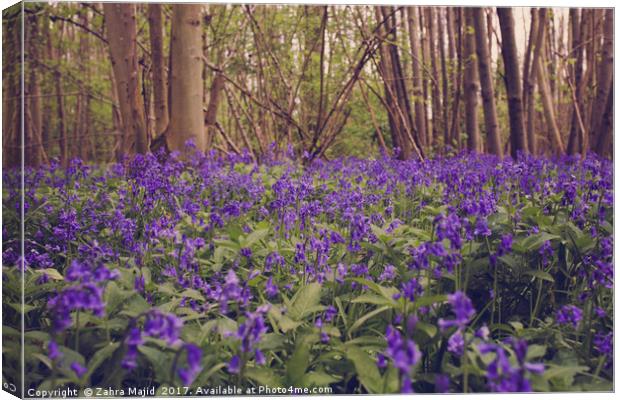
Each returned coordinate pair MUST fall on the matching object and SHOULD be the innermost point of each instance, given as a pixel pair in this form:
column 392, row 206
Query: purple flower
column 456, row 343
column 504, row 377
column 546, row 252
column 389, row 272
column 163, row 326
column 194, row 357
column 270, row 288
column 381, row 361
column 463, row 310
column 78, row 369
column 234, row 365
column 403, row 352
column 52, row 350
column 330, row 313
column 569, row 314
column 505, row 245
column 246, row 252
column 442, row 383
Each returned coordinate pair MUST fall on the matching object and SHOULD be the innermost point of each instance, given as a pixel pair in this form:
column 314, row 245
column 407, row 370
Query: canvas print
column 242, row 199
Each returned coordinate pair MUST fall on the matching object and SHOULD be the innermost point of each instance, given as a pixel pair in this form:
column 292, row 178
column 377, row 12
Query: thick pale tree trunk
column 186, row 89
column 120, row 21
column 486, row 83
column 160, row 84
column 513, row 82
column 471, row 85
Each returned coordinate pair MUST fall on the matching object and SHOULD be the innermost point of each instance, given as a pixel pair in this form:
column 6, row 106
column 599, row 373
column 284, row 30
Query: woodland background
column 104, row 80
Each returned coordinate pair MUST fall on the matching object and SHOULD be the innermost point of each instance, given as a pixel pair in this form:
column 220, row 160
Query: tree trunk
column 545, row 89
column 455, row 50
column 55, row 53
column 512, row 81
column 486, row 83
column 604, row 143
column 120, row 21
column 435, row 97
column 444, row 78
column 470, row 85
column 186, row 118
column 34, row 152
column 418, row 100
column 11, row 87
column 604, row 77
column 575, row 142
column 214, row 100
column 425, row 48
column 529, row 82
column 160, row 84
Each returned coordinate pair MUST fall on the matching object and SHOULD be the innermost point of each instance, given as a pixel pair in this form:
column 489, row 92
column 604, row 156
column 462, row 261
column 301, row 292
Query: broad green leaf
column 366, row 368
column 305, row 301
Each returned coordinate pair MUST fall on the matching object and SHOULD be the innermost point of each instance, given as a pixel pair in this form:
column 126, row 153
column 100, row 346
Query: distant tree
column 604, row 85
column 486, row 82
column 160, row 83
column 120, row 21
column 418, row 101
column 471, row 84
column 512, row 81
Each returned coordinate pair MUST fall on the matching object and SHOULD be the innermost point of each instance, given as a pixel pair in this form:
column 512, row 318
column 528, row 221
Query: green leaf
column 366, row 368
column 51, row 273
column 565, row 373
column 99, row 357
column 365, row 318
column 370, row 298
column 545, row 276
column 317, row 379
column 254, row 237
column 285, row 323
column 305, row 301
column 297, row 365
column 263, row 376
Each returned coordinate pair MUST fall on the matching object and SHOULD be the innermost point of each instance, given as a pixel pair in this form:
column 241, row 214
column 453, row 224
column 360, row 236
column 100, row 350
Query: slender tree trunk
column 513, row 82
column 529, row 82
column 576, row 70
column 34, row 152
column 454, row 50
column 545, row 89
column 60, row 103
column 604, row 78
column 605, row 133
column 436, row 99
column 444, row 77
column 186, row 118
column 418, row 100
column 214, row 100
column 486, row 83
column 160, row 84
column 121, row 17
column 425, row 48
column 471, row 85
